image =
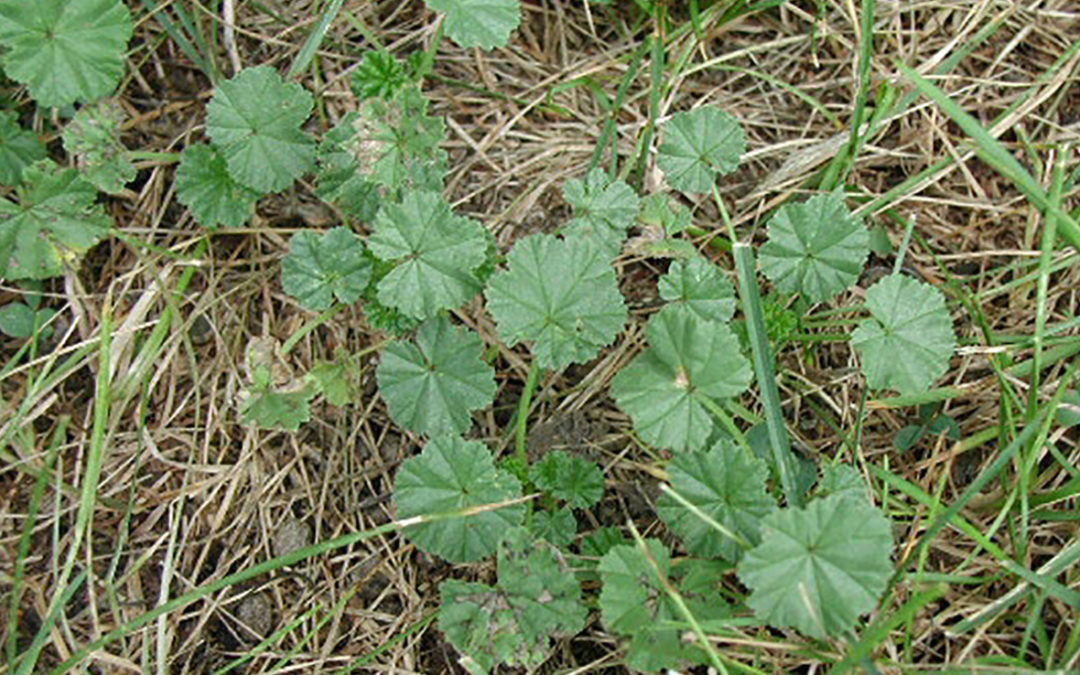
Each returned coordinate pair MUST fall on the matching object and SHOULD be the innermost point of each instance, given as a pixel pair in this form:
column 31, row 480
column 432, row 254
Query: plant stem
column 523, row 412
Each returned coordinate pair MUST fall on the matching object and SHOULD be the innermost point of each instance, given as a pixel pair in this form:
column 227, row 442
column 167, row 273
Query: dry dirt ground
column 188, row 493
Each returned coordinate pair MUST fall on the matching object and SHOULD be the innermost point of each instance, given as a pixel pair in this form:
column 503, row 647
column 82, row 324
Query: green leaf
column 816, row 248
column 453, row 474
column 19, row 148
column 17, row 320
column 817, row 569
column 634, row 603
column 65, row 50
column 688, row 359
column 558, row 527
column 907, row 344
column 269, row 408
column 338, row 380
column 727, row 483
column 598, row 543
column 320, row 268
column 254, row 119
column 701, row 287
column 844, row 480
column 92, row 139
column 55, row 222
column 536, row 596
column 698, row 146
column 603, row 210
column 656, row 211
column 573, row 479
column 479, row 23
column 431, row 387
column 379, row 75
column 203, row 184
column 392, row 143
column 437, row 254
column 560, row 293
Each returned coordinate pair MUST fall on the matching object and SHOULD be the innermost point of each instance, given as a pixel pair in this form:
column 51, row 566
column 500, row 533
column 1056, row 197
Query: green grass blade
column 311, row 45
column 783, row 460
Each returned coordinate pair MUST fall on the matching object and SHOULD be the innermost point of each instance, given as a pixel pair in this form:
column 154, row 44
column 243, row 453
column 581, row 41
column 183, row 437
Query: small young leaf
column 558, row 527
column 17, row 320
column 479, row 23
column 701, row 287
column 254, row 119
column 909, row 341
column 322, row 267
column 203, row 184
column 603, row 209
column 536, row 596
column 573, row 479
column 19, row 149
column 55, row 222
column 698, row 146
column 728, row 484
column 268, row 408
column 656, row 211
column 65, row 50
column 432, row 386
column 338, row 380
column 560, row 293
column 92, row 138
column 449, row 475
column 817, row 569
column 688, row 358
column 380, row 75
column 816, row 248
column 842, row 479
column 438, row 254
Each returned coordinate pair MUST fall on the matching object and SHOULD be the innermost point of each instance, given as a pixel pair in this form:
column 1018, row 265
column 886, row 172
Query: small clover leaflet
column 701, row 287
column 452, row 474
column 698, row 146
column 254, row 119
column 816, row 248
column 204, row 185
column 688, row 358
column 560, row 293
column 909, row 341
column 55, row 222
column 479, row 23
column 575, row 480
column 437, row 254
column 65, row 50
column 19, row 148
column 727, row 483
column 535, row 597
column 320, row 268
column 817, row 569
column 433, row 385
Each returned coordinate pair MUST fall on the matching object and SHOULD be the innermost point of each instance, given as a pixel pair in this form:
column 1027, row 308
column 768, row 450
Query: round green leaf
column 203, row 184
column 55, row 222
column 575, row 480
column 698, row 146
column 688, row 359
column 727, row 483
column 65, row 50
column 603, row 209
column 431, row 387
column 322, row 267
column 254, row 119
column 479, row 23
column 17, row 320
column 437, row 254
column 817, row 569
column 907, row 344
column 452, row 474
column 815, row 247
column 560, row 293
column 701, row 287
